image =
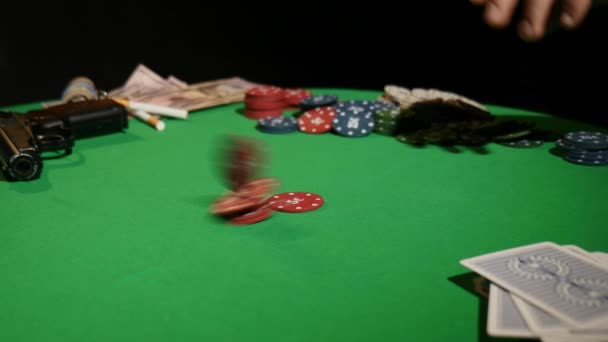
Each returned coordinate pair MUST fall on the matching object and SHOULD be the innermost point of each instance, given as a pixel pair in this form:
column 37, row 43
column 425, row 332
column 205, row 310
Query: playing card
column 538, row 320
column 504, row 319
column 554, row 279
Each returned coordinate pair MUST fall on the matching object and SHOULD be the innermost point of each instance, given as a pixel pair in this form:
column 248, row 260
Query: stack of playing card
column 546, row 291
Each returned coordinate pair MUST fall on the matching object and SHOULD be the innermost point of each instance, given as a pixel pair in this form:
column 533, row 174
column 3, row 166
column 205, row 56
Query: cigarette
column 155, row 109
column 152, row 120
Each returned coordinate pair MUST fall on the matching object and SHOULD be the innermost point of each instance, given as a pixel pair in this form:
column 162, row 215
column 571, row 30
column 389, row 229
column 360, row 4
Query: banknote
column 201, row 95
column 142, row 82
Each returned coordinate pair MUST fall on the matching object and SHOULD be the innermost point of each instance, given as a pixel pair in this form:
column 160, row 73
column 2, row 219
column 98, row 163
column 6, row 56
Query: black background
column 440, row 44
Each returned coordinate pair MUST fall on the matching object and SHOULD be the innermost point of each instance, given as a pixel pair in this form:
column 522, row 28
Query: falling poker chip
column 295, row 202
column 231, row 204
column 258, row 189
column 587, row 140
column 260, row 214
column 525, row 143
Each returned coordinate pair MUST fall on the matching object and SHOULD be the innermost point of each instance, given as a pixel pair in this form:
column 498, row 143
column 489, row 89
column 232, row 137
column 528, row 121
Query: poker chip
column 524, row 143
column 295, row 202
column 258, row 189
column 242, row 161
column 564, row 145
column 260, row 214
column 266, row 92
column 512, row 136
column 231, row 204
column 580, row 160
column 388, row 113
column 316, row 121
column 292, row 97
column 278, row 125
column 587, row 140
column 354, row 121
column 257, row 104
column 318, row 101
column 262, row 114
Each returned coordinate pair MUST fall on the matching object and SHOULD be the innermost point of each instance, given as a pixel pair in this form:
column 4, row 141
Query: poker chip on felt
column 292, row 97
column 295, row 202
column 316, row 121
column 388, row 113
column 318, row 101
column 254, row 216
column 587, row 140
column 353, row 122
column 262, row 114
column 266, row 92
column 278, row 125
column 257, row 104
column 588, row 161
column 524, row 143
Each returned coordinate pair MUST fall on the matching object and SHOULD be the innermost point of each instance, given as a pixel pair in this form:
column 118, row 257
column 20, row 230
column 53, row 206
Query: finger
column 574, row 12
column 498, row 13
column 478, row 2
column 536, row 15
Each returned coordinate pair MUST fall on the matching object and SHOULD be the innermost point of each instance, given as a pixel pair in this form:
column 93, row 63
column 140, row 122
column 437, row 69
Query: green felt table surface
column 116, row 243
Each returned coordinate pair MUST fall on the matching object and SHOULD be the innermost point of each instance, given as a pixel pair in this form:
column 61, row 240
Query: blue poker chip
column 278, row 125
column 566, row 146
column 318, row 101
column 590, row 154
column 524, row 143
column 587, row 140
column 585, row 160
column 353, row 122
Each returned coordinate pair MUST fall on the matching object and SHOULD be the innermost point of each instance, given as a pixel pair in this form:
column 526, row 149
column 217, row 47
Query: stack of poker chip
column 270, row 101
column 385, row 120
column 264, row 102
column 292, row 97
column 357, row 118
column 584, row 148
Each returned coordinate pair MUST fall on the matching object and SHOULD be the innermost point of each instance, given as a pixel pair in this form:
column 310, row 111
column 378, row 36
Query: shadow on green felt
column 479, row 287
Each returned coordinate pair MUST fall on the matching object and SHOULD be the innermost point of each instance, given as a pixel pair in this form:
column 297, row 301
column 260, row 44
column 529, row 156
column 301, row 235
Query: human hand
column 532, row 27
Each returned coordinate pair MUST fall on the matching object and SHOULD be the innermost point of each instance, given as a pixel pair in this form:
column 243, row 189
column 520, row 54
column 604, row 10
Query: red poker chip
column 295, row 202
column 242, row 162
column 260, row 114
column 318, row 120
column 231, row 204
column 294, row 96
column 266, row 92
column 260, row 214
column 259, row 104
column 258, row 189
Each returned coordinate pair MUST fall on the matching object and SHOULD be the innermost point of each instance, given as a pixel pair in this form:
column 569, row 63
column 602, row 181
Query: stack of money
column 145, row 86
column 546, row 291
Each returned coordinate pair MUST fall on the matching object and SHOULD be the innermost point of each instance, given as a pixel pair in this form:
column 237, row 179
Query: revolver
column 24, row 137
